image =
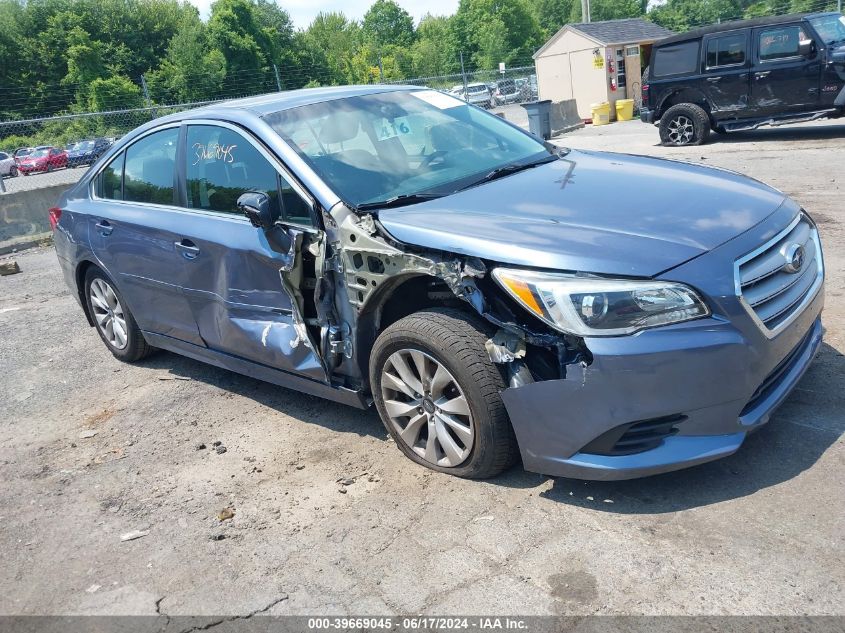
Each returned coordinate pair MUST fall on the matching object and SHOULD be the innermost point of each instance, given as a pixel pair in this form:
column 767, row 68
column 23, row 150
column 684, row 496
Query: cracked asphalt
column 92, row 449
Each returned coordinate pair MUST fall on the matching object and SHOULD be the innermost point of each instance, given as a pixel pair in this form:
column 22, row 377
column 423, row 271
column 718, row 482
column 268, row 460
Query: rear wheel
column 113, row 320
column 13, row 172
column 438, row 394
column 684, row 124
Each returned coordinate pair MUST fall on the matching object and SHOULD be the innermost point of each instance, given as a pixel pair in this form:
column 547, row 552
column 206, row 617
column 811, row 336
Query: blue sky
column 303, row 11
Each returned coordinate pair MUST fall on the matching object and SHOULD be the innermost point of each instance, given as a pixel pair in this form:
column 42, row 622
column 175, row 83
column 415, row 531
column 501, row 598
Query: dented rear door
column 241, row 281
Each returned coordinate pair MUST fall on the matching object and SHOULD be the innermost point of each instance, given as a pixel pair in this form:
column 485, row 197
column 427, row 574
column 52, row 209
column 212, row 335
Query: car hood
column 591, row 212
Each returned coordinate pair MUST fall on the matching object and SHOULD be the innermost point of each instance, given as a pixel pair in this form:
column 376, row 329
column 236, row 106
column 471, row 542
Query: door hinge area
column 340, row 340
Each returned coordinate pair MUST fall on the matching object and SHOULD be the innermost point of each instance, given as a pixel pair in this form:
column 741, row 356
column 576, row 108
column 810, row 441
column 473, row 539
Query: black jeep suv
column 741, row 75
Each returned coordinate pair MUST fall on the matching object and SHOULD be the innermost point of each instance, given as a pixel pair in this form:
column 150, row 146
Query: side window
column 676, row 59
column 109, row 181
column 149, row 168
column 222, row 165
column 780, row 43
column 727, row 51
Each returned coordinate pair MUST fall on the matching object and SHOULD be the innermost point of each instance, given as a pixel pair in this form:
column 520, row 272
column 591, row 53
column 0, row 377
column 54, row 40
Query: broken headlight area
column 592, row 306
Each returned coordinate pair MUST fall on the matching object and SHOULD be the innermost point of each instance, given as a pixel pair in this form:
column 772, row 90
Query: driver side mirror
column 257, row 206
column 807, row 48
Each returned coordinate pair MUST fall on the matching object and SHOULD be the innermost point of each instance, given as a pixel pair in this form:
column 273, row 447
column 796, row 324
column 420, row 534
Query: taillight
column 55, row 216
column 645, row 94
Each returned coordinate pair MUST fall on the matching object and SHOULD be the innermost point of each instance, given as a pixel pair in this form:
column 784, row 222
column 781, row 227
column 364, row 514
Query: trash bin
column 624, row 109
column 539, row 118
column 601, row 113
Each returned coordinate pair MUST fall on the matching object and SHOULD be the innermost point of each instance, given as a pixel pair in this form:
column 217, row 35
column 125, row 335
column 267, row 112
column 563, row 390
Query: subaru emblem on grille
column 794, row 258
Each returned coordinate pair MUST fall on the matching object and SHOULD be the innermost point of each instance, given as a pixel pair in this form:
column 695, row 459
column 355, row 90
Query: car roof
column 737, row 24
column 263, row 105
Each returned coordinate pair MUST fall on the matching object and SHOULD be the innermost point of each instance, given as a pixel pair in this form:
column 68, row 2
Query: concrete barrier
column 565, row 117
column 24, row 213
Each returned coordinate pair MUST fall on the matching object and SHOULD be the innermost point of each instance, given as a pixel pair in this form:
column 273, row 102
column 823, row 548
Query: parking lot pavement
column 43, row 179
column 92, row 449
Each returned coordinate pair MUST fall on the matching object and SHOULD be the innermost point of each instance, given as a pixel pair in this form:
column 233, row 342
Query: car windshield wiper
column 398, row 201
column 512, row 168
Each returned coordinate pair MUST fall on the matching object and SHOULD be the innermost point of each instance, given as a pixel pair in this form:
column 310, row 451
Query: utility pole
column 585, row 10
column 278, row 81
column 464, row 75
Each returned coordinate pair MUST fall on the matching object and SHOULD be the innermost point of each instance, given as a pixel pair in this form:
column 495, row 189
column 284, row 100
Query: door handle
column 104, row 227
column 188, row 249
column 714, row 80
column 762, row 75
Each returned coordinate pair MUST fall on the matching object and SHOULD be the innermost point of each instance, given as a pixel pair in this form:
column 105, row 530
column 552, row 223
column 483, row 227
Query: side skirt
column 261, row 372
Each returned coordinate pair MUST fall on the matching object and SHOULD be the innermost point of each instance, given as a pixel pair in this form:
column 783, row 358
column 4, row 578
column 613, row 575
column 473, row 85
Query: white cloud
column 303, row 11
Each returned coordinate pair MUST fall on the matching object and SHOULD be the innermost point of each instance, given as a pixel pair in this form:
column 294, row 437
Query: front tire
column 112, row 318
column 438, row 394
column 13, row 172
column 684, row 124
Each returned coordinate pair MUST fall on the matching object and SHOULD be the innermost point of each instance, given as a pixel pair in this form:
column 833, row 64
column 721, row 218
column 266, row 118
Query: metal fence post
column 464, row 75
column 278, row 81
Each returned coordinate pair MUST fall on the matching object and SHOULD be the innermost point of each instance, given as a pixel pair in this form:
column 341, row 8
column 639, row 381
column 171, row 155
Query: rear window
column 727, row 51
column 676, row 59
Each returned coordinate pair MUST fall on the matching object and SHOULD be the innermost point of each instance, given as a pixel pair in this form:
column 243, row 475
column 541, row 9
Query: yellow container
column 601, row 113
column 625, row 109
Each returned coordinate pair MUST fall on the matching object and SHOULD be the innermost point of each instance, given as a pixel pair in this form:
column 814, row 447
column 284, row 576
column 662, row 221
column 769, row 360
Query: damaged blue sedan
column 598, row 316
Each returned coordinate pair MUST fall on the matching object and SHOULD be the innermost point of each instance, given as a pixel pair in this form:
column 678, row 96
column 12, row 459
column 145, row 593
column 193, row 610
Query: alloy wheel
column 427, row 408
column 108, row 313
column 681, row 130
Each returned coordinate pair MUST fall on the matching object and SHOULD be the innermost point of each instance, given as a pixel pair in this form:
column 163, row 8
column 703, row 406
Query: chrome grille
column 772, row 293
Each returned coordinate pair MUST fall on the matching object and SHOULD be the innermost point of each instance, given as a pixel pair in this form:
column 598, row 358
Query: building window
column 632, row 51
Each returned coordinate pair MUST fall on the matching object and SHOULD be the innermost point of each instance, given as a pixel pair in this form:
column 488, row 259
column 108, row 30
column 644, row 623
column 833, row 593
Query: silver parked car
column 7, row 165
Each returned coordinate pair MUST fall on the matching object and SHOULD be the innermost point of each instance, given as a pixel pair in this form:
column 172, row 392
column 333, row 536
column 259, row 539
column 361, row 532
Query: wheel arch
column 79, row 276
column 683, row 95
column 395, row 299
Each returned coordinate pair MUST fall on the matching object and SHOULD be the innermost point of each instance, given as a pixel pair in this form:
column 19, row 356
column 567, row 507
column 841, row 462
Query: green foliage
column 435, row 51
column 388, row 23
column 494, row 31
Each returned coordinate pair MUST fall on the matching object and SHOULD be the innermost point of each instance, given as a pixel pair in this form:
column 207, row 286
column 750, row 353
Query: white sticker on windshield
column 438, row 99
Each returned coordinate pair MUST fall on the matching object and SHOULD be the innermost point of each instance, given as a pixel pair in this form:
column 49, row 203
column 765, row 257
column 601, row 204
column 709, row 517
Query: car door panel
column 135, row 239
column 236, row 285
column 783, row 82
column 726, row 82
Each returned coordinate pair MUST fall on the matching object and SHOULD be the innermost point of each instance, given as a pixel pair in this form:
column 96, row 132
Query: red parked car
column 43, row 159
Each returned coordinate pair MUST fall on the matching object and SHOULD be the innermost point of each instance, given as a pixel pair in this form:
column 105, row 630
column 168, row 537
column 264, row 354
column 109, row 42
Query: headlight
column 589, row 306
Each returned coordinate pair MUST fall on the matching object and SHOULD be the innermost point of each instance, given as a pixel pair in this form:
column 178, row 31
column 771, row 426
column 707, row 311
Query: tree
column 434, row 51
column 477, row 24
column 114, row 93
column 682, row 15
column 387, row 23
column 236, row 31
column 552, row 15
column 340, row 39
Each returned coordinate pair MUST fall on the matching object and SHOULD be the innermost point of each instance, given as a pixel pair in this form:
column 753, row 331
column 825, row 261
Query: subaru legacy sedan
column 599, row 316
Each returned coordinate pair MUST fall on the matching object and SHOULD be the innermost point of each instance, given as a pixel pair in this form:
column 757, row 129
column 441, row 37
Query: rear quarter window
column 676, row 59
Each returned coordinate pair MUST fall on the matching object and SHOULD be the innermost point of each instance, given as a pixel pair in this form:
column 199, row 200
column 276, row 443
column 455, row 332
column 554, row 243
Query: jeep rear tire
column 438, row 394
column 684, row 124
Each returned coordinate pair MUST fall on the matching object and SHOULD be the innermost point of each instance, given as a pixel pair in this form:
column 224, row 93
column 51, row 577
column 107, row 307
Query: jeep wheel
column 684, row 124
column 438, row 394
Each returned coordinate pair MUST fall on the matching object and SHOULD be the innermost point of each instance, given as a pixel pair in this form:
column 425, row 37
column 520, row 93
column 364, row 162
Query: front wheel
column 684, row 124
column 438, row 394
column 13, row 172
column 113, row 320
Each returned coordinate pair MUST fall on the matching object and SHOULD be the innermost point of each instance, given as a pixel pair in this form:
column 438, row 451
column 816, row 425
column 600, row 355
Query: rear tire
column 431, row 372
column 684, row 124
column 112, row 318
column 13, row 172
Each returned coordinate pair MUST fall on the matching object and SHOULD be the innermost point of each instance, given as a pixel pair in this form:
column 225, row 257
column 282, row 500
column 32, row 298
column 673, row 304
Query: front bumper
column 694, row 390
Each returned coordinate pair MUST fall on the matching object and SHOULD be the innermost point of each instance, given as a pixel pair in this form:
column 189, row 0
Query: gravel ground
column 92, row 449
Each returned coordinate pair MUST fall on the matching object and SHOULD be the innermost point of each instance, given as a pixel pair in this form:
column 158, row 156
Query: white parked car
column 7, row 165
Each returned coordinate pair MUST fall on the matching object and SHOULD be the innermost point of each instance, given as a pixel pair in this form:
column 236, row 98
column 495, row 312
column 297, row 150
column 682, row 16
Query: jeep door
column 134, row 229
column 784, row 81
column 239, row 278
column 726, row 73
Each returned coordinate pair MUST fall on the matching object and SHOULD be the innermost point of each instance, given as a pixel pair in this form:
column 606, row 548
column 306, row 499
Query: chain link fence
column 45, row 152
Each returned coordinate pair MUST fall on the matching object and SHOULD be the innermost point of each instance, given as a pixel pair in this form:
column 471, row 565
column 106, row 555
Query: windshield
column 38, row 153
column 84, row 146
column 375, row 147
column 831, row 28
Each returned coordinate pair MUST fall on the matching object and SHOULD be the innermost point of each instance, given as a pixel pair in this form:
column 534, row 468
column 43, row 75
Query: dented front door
column 236, row 280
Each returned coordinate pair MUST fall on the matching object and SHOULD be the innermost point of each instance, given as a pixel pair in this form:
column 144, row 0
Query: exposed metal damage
column 352, row 269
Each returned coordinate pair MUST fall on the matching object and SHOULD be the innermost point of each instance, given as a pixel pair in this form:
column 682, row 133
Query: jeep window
column 781, row 43
column 376, row 146
column 727, row 51
column 676, row 59
column 831, row 28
